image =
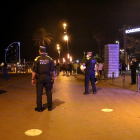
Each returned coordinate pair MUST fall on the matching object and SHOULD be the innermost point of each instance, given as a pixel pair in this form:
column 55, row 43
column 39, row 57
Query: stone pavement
column 119, row 82
column 75, row 116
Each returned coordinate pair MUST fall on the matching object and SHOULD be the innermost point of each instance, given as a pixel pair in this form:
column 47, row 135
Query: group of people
column 122, row 68
column 67, row 68
column 43, row 74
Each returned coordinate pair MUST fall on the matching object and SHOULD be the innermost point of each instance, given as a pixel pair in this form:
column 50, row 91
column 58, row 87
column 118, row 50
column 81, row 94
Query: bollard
column 138, row 82
column 105, row 76
column 123, row 80
column 112, row 77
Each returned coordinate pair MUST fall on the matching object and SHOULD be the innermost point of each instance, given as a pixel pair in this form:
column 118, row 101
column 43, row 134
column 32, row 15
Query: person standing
column 64, row 68
column 133, row 67
column 123, row 68
column 90, row 73
column 5, row 72
column 57, row 68
column 42, row 68
column 70, row 68
column 100, row 69
column 75, row 65
column 120, row 68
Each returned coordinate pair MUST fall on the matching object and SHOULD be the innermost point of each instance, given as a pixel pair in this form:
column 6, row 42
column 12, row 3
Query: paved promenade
column 75, row 116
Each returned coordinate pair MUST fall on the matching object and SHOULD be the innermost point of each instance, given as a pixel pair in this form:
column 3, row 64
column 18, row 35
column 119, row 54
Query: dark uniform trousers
column 133, row 76
column 43, row 81
column 89, row 76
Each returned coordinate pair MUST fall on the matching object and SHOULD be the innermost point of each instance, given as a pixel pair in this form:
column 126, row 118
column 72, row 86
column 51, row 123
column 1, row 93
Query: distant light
column 70, row 59
column 117, row 42
column 64, row 25
column 121, row 50
column 68, row 56
column 65, row 37
column 77, row 61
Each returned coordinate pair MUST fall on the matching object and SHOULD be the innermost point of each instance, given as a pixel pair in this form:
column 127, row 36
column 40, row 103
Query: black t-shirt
column 43, row 64
column 134, row 66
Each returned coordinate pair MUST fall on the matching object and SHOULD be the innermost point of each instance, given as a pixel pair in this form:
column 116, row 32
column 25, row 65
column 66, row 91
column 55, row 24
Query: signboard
column 132, row 30
column 112, row 60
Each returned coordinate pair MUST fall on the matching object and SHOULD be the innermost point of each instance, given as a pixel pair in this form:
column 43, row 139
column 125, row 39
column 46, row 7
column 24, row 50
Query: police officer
column 133, row 67
column 42, row 68
column 90, row 73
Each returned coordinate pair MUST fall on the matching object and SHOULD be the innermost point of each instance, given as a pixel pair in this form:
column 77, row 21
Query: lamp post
column 58, row 48
column 65, row 35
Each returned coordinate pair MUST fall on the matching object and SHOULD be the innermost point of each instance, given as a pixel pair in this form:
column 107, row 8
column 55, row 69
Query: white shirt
column 100, row 66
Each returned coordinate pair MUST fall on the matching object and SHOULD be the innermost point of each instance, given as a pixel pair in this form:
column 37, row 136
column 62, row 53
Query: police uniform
column 90, row 74
column 43, row 65
column 133, row 71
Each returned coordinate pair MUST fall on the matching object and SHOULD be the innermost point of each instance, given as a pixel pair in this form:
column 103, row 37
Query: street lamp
column 64, row 60
column 66, row 39
column 64, row 25
column 117, row 42
column 58, row 48
column 66, row 36
column 70, row 59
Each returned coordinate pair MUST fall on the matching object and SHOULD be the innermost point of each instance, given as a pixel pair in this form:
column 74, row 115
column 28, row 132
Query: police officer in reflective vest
column 42, row 68
column 90, row 73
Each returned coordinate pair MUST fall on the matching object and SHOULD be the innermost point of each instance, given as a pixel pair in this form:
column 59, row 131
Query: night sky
column 19, row 20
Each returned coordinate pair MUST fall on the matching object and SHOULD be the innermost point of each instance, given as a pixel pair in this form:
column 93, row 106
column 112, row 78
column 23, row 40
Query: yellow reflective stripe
column 36, row 58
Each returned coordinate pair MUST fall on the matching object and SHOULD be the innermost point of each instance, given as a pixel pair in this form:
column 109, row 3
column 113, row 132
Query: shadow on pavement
column 55, row 103
column 97, row 88
column 2, row 91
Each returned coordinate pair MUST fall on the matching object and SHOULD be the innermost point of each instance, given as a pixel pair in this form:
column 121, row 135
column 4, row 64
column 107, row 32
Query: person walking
column 42, row 68
column 133, row 67
column 90, row 73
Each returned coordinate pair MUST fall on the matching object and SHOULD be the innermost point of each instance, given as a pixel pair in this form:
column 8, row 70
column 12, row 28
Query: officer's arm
column 53, row 70
column 34, row 70
column 33, row 78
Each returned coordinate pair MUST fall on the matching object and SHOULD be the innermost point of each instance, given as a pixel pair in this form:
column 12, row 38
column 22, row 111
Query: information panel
column 112, row 60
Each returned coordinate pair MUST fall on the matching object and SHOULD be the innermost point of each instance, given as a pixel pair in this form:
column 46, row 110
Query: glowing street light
column 70, row 59
column 64, row 60
column 58, row 48
column 68, row 55
column 64, row 25
column 117, row 42
column 66, row 38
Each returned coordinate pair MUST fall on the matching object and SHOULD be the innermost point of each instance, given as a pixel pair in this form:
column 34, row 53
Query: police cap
column 42, row 48
column 89, row 53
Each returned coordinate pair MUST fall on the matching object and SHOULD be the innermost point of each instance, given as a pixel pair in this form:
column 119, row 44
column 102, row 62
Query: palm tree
column 41, row 36
column 99, row 37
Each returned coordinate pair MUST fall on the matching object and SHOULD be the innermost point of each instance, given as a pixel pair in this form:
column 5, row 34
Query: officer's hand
column 33, row 82
column 54, row 78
